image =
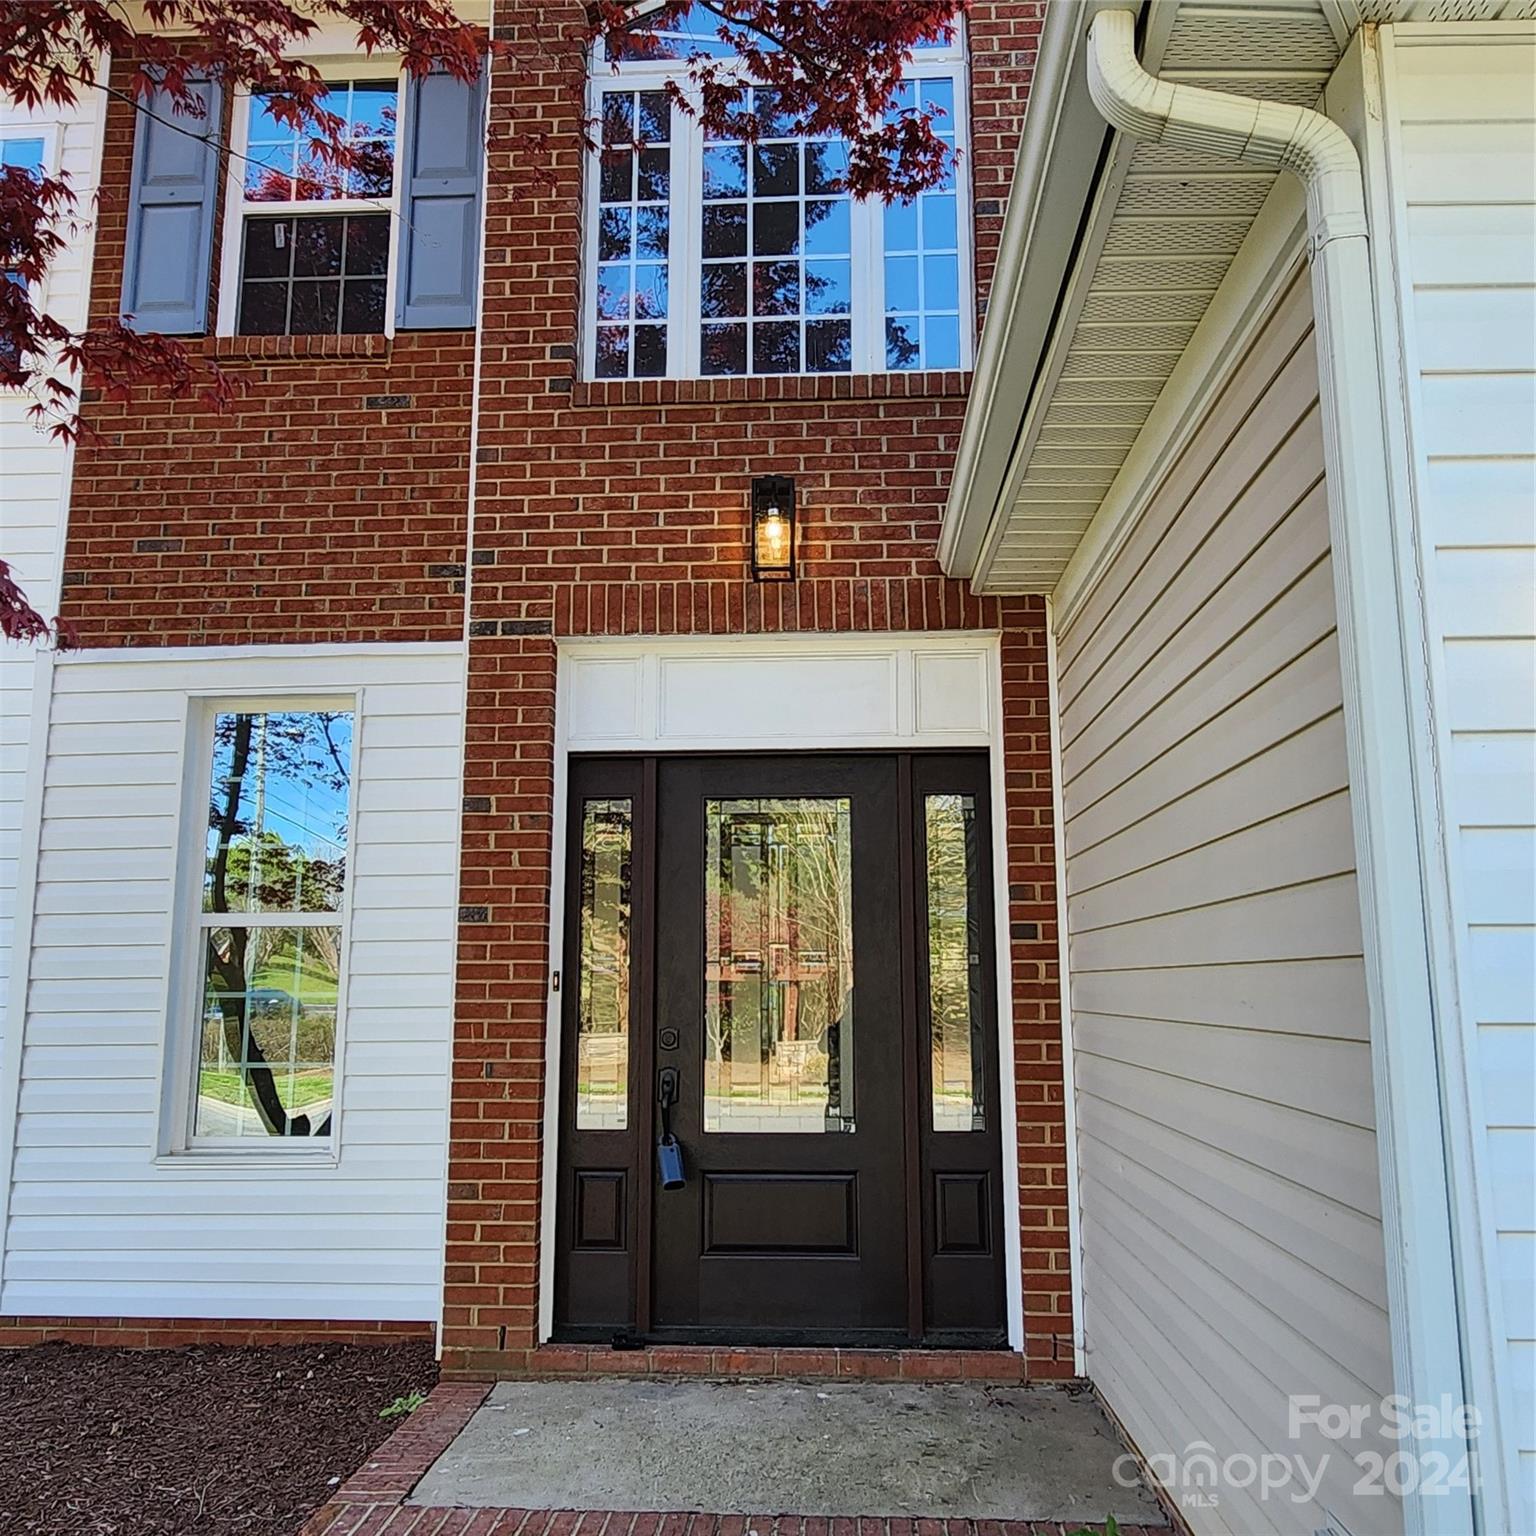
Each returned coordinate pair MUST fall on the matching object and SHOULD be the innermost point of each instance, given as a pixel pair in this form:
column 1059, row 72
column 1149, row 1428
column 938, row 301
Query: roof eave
column 1059, row 156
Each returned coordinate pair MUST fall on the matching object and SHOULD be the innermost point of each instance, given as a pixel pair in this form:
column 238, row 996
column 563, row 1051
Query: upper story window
column 392, row 241
column 711, row 256
column 314, row 241
column 22, row 154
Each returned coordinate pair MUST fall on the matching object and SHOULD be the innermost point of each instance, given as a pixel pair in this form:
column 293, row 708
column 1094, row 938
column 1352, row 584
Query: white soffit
column 1157, row 242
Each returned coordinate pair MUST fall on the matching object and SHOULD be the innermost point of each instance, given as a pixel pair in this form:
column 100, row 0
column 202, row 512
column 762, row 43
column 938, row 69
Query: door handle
column 669, row 1154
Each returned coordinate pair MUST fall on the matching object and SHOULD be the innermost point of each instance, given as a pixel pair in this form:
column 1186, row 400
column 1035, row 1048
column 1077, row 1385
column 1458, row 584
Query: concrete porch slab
column 881, row 1449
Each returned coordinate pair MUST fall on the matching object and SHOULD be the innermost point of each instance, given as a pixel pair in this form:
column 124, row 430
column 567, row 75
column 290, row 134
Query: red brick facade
column 330, row 505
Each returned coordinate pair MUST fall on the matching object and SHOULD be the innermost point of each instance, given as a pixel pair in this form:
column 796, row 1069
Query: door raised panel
column 780, row 1214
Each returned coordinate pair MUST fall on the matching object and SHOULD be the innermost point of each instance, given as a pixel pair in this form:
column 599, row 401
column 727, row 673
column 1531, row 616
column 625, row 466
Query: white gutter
column 1410, row 1120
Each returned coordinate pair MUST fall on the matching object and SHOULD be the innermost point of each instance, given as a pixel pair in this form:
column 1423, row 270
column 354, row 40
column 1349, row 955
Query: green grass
column 312, row 988
column 306, row 1087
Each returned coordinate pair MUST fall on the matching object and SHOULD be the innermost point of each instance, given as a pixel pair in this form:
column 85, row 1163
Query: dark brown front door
column 781, row 968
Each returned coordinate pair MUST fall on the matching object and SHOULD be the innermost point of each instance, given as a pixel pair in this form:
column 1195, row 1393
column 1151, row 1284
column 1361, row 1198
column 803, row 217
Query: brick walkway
column 372, row 1501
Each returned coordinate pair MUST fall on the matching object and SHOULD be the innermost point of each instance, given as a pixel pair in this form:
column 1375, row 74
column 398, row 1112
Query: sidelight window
column 713, row 256
column 602, row 1017
column 954, row 962
column 271, row 926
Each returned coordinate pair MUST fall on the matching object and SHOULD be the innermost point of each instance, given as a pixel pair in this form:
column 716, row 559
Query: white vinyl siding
column 101, row 1225
column 34, row 487
column 1462, row 140
column 1230, row 1197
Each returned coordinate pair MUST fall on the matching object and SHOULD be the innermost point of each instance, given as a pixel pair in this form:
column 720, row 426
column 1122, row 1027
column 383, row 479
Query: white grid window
column 271, row 924
column 775, row 292
column 922, row 252
column 709, row 257
column 633, row 234
column 309, row 245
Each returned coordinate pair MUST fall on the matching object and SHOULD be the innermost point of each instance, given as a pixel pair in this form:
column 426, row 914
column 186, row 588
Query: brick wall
column 314, row 511
column 327, row 505
column 620, row 508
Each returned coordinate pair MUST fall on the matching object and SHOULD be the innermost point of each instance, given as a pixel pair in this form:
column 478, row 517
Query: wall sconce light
column 773, row 528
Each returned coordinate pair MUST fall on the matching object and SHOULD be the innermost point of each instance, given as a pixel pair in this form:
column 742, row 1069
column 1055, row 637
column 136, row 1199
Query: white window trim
column 236, row 210
column 52, row 137
column 177, row 1143
column 684, row 257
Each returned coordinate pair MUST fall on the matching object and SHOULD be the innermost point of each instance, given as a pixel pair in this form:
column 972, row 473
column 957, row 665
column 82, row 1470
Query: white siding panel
column 34, row 482
column 1469, row 415
column 101, row 1224
column 1468, row 162
column 1465, row 158
column 1490, row 329
column 1231, row 1203
column 1471, row 243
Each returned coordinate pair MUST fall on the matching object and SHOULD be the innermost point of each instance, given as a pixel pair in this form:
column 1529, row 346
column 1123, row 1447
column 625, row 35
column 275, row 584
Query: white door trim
column 883, row 692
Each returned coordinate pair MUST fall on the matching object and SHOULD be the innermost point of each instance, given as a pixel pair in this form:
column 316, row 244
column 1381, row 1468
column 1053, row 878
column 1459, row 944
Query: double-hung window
column 311, row 240
column 710, row 256
column 271, row 925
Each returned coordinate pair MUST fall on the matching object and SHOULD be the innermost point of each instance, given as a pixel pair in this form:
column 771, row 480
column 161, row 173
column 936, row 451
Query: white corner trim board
column 1378, row 697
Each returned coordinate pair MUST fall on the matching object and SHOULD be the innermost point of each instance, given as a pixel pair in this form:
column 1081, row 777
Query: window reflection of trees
column 779, row 964
column 603, row 1002
column 954, row 952
column 276, row 844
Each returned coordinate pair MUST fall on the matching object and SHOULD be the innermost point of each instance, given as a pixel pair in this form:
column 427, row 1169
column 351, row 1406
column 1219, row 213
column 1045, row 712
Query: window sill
column 588, row 393
column 312, row 1160
column 296, row 349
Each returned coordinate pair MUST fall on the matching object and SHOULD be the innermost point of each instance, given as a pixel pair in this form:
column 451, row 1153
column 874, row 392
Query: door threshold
column 886, row 1339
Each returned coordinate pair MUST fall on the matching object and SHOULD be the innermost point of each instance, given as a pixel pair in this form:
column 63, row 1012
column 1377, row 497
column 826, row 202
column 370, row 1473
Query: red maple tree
column 834, row 66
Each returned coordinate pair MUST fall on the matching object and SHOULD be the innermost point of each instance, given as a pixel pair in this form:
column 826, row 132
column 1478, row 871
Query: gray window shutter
column 170, row 214
column 440, row 202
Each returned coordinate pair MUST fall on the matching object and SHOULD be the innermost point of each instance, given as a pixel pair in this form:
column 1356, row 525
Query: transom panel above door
column 780, row 1094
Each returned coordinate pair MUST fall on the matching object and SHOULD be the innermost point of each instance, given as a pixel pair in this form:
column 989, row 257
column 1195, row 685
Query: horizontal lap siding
column 1465, row 150
column 34, row 487
column 1231, row 1212
column 97, row 1227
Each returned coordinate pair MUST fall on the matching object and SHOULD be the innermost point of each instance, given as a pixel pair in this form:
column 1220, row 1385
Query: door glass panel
column 778, row 966
column 954, row 962
column 602, row 1015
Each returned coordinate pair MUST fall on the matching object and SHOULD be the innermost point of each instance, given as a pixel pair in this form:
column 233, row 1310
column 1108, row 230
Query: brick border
column 180, row 1332
column 372, row 1501
column 384, row 1480
column 579, row 1360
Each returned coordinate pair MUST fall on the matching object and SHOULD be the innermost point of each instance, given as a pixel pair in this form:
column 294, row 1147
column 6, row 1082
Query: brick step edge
column 1000, row 1366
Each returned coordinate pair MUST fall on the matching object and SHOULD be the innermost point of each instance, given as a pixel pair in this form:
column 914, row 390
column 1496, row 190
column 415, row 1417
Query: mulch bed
column 207, row 1441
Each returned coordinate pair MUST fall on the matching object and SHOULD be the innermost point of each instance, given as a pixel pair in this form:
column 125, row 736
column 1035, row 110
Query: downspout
column 1417, row 1215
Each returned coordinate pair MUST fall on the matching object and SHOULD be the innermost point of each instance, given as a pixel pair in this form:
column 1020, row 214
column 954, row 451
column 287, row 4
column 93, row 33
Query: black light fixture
column 773, row 528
